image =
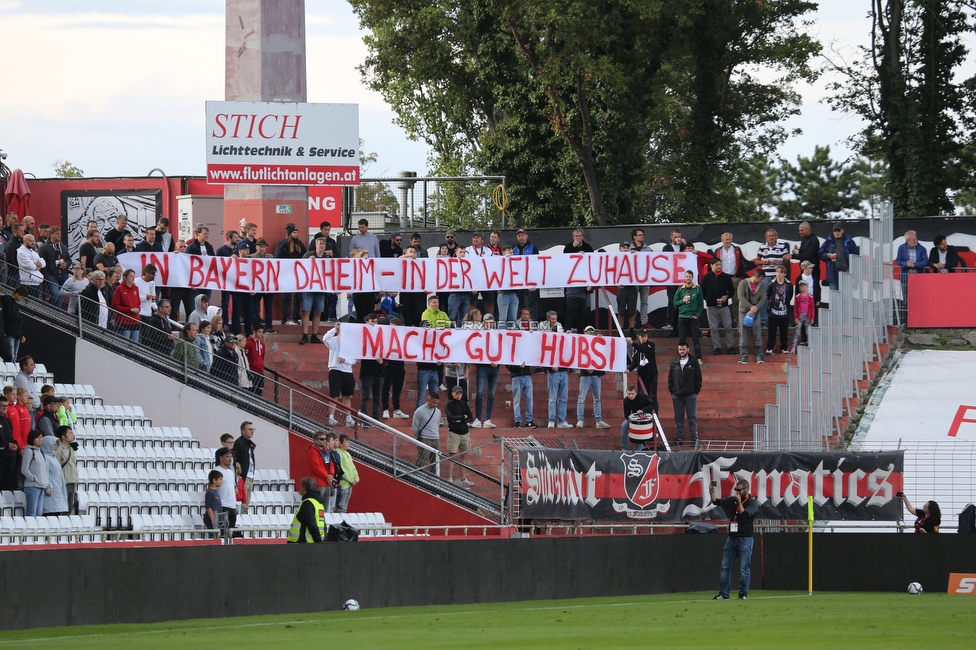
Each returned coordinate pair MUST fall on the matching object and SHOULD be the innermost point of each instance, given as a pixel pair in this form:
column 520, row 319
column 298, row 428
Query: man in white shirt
column 147, row 292
column 477, row 247
column 30, row 264
column 228, row 490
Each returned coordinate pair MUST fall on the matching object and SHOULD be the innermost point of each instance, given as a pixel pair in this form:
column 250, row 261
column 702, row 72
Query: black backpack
column 967, row 519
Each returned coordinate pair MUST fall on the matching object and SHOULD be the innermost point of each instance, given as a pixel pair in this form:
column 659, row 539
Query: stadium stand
column 148, row 481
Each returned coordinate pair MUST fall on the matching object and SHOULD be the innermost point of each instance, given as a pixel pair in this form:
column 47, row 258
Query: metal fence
column 941, row 471
column 407, row 201
column 809, row 408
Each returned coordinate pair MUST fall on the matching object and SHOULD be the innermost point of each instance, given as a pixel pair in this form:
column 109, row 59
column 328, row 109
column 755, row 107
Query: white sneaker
column 600, row 424
column 350, row 422
column 386, row 415
column 442, row 387
column 580, row 425
column 769, row 351
column 466, row 483
column 488, row 424
column 476, row 424
column 564, row 425
column 332, row 421
column 400, row 414
column 552, row 425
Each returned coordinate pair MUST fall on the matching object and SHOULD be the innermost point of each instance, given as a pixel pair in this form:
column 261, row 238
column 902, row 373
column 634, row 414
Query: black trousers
column 393, row 382
column 365, row 304
column 691, row 327
column 577, row 314
column 372, row 390
column 8, row 470
column 781, row 323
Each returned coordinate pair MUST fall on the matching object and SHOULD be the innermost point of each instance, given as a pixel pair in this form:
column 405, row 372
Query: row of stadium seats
column 367, row 522
column 85, row 528
column 110, row 435
column 78, row 393
column 9, row 371
column 184, row 479
column 69, row 529
column 107, row 414
column 145, row 457
column 113, row 510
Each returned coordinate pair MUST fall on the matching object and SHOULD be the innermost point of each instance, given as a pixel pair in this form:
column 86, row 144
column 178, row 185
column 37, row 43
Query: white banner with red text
column 334, row 275
column 277, row 143
column 503, row 347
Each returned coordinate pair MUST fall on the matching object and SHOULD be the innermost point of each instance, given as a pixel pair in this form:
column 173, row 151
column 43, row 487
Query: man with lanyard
column 308, row 526
column 741, row 509
column 478, row 249
column 772, row 254
column 527, row 297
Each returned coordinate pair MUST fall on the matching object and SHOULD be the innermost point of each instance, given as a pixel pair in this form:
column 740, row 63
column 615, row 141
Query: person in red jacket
column 127, row 302
column 254, row 349
column 13, row 414
column 320, row 464
column 24, row 402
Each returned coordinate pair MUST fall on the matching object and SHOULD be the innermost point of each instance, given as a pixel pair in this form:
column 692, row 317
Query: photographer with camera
column 929, row 516
column 741, row 508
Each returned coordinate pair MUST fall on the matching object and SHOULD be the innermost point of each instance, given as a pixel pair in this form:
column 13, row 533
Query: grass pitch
column 766, row 620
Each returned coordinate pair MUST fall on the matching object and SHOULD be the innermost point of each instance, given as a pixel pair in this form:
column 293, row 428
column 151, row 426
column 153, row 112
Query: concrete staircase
column 732, row 400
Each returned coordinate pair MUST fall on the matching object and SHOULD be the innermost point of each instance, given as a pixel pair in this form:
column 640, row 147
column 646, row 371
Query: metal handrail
column 388, row 531
column 244, row 399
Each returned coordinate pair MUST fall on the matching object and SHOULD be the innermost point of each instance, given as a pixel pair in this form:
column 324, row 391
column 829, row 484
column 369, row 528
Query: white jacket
column 30, row 275
column 332, row 342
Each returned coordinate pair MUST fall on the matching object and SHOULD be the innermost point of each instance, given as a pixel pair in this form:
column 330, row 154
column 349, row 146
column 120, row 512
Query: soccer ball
column 915, row 588
column 352, row 605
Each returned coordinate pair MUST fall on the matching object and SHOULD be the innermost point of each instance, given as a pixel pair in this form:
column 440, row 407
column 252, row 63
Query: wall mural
column 143, row 208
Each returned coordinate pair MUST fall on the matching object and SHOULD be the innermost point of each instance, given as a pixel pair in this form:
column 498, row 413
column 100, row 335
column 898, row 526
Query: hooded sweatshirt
column 199, row 313
column 34, row 468
column 57, row 502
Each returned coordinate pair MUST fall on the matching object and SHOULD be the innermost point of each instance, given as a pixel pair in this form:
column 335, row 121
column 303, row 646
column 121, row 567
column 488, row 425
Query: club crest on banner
column 641, row 483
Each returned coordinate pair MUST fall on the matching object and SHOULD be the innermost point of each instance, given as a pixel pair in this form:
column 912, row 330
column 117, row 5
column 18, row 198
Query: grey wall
column 142, row 585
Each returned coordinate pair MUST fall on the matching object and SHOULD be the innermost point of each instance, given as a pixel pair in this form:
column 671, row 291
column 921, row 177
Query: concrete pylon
column 265, row 62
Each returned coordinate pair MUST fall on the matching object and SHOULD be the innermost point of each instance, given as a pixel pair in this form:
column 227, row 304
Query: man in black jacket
column 458, row 438
column 225, row 361
column 809, row 249
column 643, row 361
column 159, row 333
column 10, row 254
column 244, row 457
column 118, row 233
column 57, row 261
column 8, row 449
column 684, row 384
column 718, row 291
column 740, row 508
column 200, row 246
column 943, row 258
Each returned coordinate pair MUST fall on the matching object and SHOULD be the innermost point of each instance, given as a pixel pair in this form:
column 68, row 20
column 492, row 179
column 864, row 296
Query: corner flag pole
column 810, row 545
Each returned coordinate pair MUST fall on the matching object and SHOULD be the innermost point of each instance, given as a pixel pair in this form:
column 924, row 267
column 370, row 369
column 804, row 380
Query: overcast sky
column 118, row 88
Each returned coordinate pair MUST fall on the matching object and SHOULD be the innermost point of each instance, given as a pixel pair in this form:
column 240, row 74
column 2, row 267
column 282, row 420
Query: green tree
column 596, row 111
column 64, row 169
column 818, row 187
column 904, row 85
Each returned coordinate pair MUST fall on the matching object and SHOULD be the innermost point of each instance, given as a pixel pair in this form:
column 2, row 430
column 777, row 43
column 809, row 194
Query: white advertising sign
column 272, row 143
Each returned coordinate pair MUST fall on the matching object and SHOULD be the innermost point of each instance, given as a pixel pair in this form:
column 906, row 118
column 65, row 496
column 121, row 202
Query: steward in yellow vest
column 308, row 526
